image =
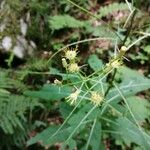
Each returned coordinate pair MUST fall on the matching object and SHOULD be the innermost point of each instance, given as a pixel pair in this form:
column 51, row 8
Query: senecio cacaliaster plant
column 70, row 64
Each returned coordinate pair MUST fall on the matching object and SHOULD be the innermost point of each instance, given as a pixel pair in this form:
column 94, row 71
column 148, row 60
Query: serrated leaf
column 64, row 21
column 96, row 136
column 132, row 83
column 147, row 49
column 51, row 92
column 47, row 136
column 44, row 136
column 65, row 109
column 114, row 7
column 100, row 31
column 139, row 107
column 130, row 133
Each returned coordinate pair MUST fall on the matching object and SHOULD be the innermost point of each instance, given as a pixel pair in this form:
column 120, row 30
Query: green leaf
column 114, row 7
column 51, row 92
column 95, row 141
column 132, row 83
column 139, row 107
column 100, row 31
column 64, row 21
column 65, row 110
column 71, row 77
column 12, row 111
column 77, row 117
column 45, row 136
column 128, row 133
column 147, row 49
column 95, row 63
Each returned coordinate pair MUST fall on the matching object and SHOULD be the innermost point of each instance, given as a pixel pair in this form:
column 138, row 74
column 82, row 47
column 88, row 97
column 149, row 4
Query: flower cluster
column 69, row 62
column 70, row 57
column 117, row 62
column 96, row 98
column 72, row 98
column 114, row 64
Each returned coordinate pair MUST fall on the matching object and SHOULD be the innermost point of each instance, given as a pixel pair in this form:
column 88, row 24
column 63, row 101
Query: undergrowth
column 82, row 95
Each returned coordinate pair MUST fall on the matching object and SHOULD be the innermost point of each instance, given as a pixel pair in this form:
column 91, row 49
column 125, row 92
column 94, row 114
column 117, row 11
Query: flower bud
column 123, row 48
column 96, row 98
column 70, row 54
column 64, row 63
column 73, row 67
column 73, row 97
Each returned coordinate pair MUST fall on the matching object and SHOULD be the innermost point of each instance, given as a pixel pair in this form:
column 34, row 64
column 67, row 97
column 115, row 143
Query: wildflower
column 73, row 97
column 96, row 98
column 123, row 48
column 114, row 64
column 64, row 63
column 73, row 67
column 70, row 54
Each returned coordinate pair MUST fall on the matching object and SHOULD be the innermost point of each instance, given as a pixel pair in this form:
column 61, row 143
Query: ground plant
column 74, row 75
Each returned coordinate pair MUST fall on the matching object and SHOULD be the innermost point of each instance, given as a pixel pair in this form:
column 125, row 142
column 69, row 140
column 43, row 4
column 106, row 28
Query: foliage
column 112, row 8
column 12, row 111
column 82, row 95
column 64, row 21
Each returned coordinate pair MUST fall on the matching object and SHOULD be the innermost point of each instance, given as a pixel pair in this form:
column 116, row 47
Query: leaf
column 100, row 31
column 131, row 83
column 81, row 113
column 51, row 92
column 147, row 49
column 130, row 133
column 95, row 63
column 64, row 21
column 72, row 77
column 44, row 136
column 139, row 107
column 96, row 136
column 65, row 110
column 12, row 111
column 114, row 7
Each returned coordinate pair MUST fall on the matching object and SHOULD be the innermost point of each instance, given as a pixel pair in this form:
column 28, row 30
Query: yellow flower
column 73, row 67
column 70, row 54
column 73, row 97
column 96, row 98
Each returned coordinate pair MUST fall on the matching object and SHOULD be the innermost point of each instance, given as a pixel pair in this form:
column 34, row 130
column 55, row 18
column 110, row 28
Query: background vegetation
column 36, row 88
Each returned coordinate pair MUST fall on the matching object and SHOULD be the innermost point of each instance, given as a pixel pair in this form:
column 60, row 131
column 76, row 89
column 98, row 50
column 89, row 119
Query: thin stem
column 93, row 15
column 78, row 42
column 111, row 82
column 130, row 27
column 138, row 40
column 83, row 9
column 128, row 18
column 80, row 123
column 92, row 129
column 77, row 106
column 129, row 6
column 140, row 129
